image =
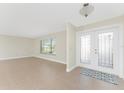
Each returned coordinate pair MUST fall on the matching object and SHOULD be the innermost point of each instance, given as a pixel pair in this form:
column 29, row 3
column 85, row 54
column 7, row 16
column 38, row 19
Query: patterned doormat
column 113, row 79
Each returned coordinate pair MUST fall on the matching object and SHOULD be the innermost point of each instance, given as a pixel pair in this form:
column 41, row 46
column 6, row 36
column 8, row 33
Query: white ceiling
column 33, row 20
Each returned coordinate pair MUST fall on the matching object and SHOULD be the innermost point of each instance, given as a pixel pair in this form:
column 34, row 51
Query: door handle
column 96, row 51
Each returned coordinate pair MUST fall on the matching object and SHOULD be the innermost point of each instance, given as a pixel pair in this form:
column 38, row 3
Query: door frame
column 120, row 28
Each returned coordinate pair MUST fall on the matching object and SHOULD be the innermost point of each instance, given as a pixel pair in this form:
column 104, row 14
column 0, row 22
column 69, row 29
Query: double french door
column 98, row 50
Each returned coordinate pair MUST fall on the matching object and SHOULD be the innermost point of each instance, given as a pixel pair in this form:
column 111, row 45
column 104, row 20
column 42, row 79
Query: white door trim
column 121, row 45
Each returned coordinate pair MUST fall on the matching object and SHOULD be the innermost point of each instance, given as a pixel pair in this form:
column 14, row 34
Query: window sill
column 48, row 54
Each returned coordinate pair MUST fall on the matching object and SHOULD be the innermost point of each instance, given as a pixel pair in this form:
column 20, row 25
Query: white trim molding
column 72, row 68
column 10, row 58
column 50, row 59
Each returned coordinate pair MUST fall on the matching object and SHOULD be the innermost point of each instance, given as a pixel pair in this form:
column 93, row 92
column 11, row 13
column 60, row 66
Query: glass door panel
column 85, row 48
column 105, row 49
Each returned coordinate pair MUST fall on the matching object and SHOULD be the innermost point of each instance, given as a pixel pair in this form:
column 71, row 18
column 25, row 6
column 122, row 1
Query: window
column 48, row 46
column 105, row 49
column 85, row 48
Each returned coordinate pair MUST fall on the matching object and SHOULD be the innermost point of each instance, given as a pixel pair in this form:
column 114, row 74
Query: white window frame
column 50, row 45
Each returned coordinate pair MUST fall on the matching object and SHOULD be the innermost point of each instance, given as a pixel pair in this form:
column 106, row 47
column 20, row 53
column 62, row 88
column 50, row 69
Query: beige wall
column 116, row 20
column 71, row 46
column 14, row 47
column 60, row 47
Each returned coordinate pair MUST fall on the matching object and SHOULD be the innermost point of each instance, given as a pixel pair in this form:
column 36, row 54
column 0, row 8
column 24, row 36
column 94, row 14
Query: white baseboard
column 72, row 68
column 10, row 58
column 53, row 60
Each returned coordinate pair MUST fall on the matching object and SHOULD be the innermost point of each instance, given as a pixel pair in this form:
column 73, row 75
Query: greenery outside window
column 48, row 46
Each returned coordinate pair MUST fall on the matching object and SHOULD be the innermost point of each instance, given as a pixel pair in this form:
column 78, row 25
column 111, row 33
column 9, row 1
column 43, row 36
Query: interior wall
column 60, row 47
column 115, row 20
column 15, row 47
column 71, row 46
